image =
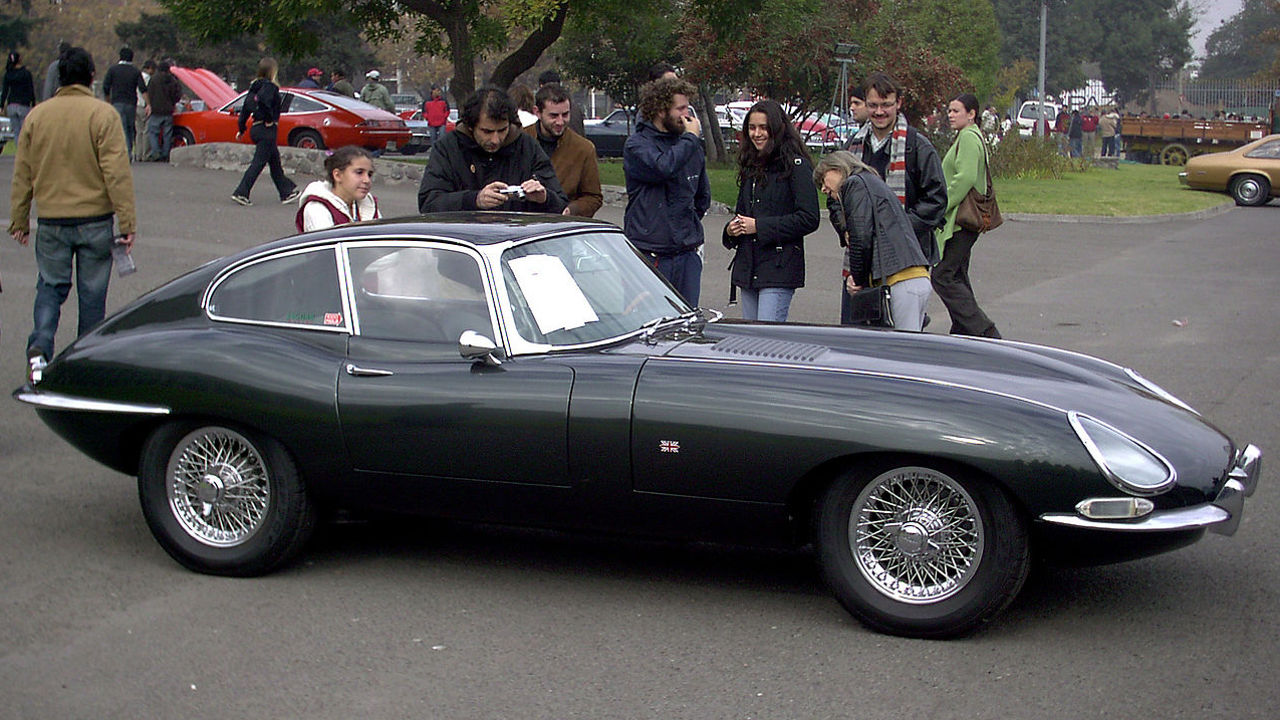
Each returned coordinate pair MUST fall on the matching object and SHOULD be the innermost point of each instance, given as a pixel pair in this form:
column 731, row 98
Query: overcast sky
column 1213, row 12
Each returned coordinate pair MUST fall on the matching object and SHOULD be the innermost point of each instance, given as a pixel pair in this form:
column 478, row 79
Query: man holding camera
column 489, row 163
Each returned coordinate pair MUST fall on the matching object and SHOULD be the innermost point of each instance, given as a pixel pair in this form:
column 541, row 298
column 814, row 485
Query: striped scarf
column 896, row 177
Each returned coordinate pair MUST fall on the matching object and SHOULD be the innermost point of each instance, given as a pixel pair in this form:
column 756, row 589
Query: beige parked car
column 1250, row 173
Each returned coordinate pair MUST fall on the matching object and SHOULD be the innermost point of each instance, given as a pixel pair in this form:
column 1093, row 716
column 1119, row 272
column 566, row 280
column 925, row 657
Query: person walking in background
column 343, row 196
column 312, row 80
column 375, row 93
column 436, row 112
column 51, row 74
column 339, row 83
column 164, row 92
column 668, row 191
column 18, row 94
column 965, row 167
column 881, row 247
column 121, row 86
column 72, row 162
column 142, row 145
column 573, row 156
column 777, row 206
column 263, row 104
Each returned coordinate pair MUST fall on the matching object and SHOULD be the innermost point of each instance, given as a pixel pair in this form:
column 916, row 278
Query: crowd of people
column 892, row 200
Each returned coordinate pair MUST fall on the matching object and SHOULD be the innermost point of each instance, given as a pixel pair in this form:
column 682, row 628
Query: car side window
column 298, row 289
column 305, row 104
column 418, row 294
column 1269, row 150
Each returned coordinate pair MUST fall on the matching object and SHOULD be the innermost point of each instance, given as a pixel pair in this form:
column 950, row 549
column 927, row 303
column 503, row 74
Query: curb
column 1124, row 219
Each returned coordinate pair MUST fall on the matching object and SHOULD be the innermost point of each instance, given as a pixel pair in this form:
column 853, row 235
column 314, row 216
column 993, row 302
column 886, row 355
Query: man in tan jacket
column 72, row 160
column 573, row 156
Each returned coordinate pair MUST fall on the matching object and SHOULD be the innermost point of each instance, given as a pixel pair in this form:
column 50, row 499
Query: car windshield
column 584, row 288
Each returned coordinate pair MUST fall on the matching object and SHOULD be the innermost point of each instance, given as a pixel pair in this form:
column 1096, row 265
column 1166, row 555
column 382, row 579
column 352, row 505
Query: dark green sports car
column 535, row 370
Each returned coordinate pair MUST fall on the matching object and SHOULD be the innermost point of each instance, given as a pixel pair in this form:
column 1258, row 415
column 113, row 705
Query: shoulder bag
column 977, row 212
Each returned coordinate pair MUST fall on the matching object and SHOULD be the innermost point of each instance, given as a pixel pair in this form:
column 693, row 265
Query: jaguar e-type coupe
column 527, row 369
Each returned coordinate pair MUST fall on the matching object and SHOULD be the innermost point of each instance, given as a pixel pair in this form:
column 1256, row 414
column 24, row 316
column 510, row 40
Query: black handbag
column 870, row 306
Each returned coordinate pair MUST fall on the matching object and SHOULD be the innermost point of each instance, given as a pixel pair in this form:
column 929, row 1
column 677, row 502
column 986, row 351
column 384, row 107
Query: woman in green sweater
column 964, row 167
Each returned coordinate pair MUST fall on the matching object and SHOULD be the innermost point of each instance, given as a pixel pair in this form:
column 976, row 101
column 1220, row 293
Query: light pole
column 1044, row 16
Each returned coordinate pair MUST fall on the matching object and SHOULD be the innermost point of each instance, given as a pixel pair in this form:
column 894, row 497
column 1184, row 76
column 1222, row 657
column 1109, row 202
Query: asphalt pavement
column 414, row 619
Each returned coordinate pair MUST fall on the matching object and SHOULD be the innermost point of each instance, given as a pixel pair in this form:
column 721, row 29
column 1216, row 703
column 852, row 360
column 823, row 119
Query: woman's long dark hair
column 784, row 144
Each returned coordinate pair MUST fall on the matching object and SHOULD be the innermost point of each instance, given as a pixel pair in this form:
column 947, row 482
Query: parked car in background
column 1250, row 174
column 817, row 135
column 529, row 369
column 6, row 131
column 610, row 132
column 1027, row 114
column 316, row 119
column 421, row 130
column 406, row 101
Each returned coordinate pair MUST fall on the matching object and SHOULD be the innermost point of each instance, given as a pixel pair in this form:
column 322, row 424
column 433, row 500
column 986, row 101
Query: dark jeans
column 683, row 271
column 59, row 248
column 265, row 153
column 128, row 119
column 951, row 282
column 160, row 136
column 1108, row 146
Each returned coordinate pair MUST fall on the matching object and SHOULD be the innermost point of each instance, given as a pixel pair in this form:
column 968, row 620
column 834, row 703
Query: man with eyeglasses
column 905, row 159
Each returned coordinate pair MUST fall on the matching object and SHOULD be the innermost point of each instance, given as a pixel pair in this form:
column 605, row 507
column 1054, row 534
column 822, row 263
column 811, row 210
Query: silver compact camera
column 514, row 191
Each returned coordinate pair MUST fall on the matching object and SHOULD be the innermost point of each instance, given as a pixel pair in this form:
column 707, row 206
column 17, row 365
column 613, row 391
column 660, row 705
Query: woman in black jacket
column 264, row 103
column 18, row 94
column 777, row 206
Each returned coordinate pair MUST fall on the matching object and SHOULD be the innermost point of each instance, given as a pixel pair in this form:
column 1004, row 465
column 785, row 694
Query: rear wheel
column 1174, row 154
column 182, row 137
column 1250, row 190
column 307, row 139
column 921, row 551
column 222, row 500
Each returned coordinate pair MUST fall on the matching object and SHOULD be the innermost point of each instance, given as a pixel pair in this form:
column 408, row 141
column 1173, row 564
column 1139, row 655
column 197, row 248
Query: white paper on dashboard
column 554, row 298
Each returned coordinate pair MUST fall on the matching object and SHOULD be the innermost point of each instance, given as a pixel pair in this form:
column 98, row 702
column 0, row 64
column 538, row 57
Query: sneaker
column 293, row 197
column 242, row 200
column 36, row 363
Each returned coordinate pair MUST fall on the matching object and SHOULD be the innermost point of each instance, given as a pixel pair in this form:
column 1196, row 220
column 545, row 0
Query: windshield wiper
column 692, row 322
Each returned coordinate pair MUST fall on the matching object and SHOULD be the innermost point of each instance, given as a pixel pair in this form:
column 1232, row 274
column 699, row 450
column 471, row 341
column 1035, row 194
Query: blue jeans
column 160, row 135
column 436, row 132
column 1077, row 147
column 683, row 271
column 771, row 304
column 17, row 115
column 58, row 247
column 128, row 116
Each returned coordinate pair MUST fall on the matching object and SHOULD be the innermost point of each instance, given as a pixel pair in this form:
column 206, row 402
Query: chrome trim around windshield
column 58, row 401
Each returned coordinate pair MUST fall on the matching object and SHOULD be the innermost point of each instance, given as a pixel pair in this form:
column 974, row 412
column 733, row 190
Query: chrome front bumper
column 1222, row 516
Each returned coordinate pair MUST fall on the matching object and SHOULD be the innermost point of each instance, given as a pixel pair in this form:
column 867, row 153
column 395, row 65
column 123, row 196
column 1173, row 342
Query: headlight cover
column 1125, row 462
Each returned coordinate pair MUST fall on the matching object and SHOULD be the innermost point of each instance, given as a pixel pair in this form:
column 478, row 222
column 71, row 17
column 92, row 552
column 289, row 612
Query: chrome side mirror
column 476, row 347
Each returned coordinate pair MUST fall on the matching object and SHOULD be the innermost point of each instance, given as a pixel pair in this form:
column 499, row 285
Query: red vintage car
column 312, row 118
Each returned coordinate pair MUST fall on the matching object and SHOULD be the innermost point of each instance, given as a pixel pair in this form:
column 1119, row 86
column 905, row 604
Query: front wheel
column 222, row 500
column 1250, row 190
column 920, row 551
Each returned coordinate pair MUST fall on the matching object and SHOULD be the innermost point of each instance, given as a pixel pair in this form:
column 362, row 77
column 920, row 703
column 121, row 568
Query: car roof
column 475, row 228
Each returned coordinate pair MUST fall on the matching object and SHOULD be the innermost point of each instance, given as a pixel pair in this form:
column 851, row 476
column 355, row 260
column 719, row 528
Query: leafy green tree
column 464, row 30
column 962, row 32
column 1144, row 41
column 611, row 45
column 15, row 30
column 1069, row 41
column 1238, row 48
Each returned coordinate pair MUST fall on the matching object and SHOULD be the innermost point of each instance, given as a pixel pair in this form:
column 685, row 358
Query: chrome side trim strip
column 56, row 401
column 865, row 373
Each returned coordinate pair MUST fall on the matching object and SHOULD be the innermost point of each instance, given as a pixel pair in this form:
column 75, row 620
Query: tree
column 1068, row 43
column 962, row 32
column 1238, row 48
column 463, row 29
column 612, row 45
column 16, row 29
column 1144, row 41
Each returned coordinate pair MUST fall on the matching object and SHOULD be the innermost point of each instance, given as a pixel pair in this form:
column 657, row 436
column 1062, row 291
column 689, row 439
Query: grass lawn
column 1133, row 189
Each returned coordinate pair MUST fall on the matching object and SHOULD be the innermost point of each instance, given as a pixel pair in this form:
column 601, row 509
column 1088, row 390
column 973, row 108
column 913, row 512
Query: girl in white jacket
column 345, row 197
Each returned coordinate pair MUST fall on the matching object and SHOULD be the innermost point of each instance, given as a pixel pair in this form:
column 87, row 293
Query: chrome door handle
column 358, row 371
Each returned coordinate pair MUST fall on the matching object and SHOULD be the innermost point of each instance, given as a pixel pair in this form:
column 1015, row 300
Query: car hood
column 206, row 85
column 1051, row 379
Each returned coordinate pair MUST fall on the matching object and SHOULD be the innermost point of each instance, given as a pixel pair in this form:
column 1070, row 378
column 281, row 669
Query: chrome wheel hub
column 218, row 487
column 916, row 535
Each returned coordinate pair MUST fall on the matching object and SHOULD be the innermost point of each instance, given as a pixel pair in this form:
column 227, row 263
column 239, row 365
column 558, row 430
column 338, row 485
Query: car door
column 411, row 406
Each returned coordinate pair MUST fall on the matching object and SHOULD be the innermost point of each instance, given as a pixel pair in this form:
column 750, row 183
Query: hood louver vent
column 778, row 350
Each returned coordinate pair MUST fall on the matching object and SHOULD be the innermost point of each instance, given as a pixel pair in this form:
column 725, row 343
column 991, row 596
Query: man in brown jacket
column 72, row 160
column 573, row 156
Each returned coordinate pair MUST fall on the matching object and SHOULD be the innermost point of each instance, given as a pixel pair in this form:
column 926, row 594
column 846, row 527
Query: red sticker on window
column 333, row 318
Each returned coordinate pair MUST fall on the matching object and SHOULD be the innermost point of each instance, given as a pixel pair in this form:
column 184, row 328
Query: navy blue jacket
column 668, row 191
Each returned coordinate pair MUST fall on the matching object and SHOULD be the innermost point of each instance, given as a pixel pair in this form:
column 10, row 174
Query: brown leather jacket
column 575, row 162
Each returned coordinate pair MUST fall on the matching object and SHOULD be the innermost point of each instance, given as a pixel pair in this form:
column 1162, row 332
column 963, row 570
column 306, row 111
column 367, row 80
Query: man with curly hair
column 668, row 191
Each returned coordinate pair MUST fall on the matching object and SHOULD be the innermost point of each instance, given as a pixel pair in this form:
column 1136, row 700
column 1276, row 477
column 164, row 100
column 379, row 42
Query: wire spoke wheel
column 916, row 535
column 218, row 487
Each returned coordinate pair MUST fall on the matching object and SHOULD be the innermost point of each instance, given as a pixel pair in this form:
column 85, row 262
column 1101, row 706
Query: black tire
column 913, row 521
column 1250, row 190
column 243, row 509
column 182, row 137
column 309, row 139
